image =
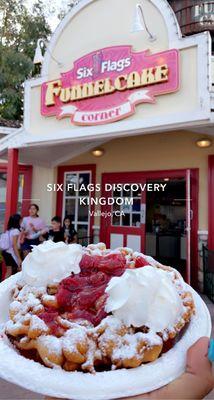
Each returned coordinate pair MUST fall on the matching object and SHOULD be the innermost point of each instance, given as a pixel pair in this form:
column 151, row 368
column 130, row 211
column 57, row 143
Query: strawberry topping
column 141, row 262
column 83, row 295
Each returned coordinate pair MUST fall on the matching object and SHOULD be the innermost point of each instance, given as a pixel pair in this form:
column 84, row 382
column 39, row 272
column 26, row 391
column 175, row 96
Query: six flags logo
column 106, row 85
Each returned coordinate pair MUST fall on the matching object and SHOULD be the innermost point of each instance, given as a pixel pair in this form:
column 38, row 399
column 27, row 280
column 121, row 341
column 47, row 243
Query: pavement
column 9, row 391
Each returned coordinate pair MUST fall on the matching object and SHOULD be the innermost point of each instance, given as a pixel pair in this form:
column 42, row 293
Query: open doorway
column 166, row 223
column 167, row 227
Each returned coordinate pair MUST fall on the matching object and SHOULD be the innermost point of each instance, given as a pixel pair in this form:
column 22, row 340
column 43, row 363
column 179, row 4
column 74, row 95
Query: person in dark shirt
column 56, row 233
column 70, row 235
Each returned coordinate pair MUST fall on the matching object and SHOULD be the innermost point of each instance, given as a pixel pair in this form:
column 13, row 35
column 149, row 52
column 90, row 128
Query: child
column 56, row 233
column 70, row 235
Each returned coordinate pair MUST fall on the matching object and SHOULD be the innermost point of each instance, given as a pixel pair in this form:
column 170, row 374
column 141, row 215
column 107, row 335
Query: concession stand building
column 123, row 109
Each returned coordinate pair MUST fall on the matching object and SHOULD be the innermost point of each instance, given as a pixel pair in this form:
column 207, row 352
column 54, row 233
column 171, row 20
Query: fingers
column 201, row 346
column 197, row 358
column 196, row 383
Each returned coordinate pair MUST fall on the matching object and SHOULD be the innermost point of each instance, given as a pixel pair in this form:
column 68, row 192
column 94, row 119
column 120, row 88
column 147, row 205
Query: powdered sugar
column 112, row 339
column 13, row 327
column 112, row 323
column 103, row 385
column 16, row 306
column 48, row 297
column 73, row 337
column 53, row 344
column 24, row 303
column 37, row 323
column 91, row 353
column 127, row 349
column 30, row 290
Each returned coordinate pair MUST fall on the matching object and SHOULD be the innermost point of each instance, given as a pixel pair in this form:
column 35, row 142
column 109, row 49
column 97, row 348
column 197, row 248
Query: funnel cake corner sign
column 106, row 85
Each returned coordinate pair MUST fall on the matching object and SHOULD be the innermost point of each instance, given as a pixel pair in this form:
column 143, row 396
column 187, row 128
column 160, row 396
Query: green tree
column 66, row 7
column 19, row 31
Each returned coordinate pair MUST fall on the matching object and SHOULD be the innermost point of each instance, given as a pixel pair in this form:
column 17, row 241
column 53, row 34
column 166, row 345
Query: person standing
column 32, row 228
column 11, row 254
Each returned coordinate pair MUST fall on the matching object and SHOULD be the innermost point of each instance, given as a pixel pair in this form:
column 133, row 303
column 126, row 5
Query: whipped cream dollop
column 144, row 296
column 51, row 262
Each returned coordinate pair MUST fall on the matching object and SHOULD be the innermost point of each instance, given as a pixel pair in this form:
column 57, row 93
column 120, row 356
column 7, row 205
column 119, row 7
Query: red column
column 211, row 202
column 12, row 184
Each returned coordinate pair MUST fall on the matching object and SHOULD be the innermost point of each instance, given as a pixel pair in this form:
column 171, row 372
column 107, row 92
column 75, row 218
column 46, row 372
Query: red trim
column 133, row 177
column 60, row 180
column 12, row 184
column 194, row 227
column 211, row 202
column 3, row 270
column 105, row 223
column 27, row 171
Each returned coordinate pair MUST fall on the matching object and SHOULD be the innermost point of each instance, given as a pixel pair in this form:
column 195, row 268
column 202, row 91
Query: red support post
column 211, row 202
column 12, row 184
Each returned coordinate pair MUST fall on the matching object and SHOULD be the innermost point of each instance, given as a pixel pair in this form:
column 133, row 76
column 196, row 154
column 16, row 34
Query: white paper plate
column 104, row 385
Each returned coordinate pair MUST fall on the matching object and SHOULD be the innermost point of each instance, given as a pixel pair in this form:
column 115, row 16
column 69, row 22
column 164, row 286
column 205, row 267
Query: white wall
column 45, row 200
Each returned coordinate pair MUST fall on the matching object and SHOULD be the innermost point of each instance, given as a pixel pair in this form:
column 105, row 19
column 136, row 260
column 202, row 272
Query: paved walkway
column 13, row 392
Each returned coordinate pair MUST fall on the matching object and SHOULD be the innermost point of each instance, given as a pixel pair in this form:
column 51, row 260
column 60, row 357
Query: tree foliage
column 66, row 6
column 19, row 31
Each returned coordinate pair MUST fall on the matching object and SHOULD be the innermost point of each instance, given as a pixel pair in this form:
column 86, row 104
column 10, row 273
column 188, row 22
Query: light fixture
column 204, row 143
column 166, row 179
column 139, row 22
column 98, row 152
column 38, row 57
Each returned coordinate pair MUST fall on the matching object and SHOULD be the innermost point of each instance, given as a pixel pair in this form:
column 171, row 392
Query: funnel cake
column 100, row 317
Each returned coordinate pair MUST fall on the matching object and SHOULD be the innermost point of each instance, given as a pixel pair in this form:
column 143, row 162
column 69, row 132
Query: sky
column 52, row 9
